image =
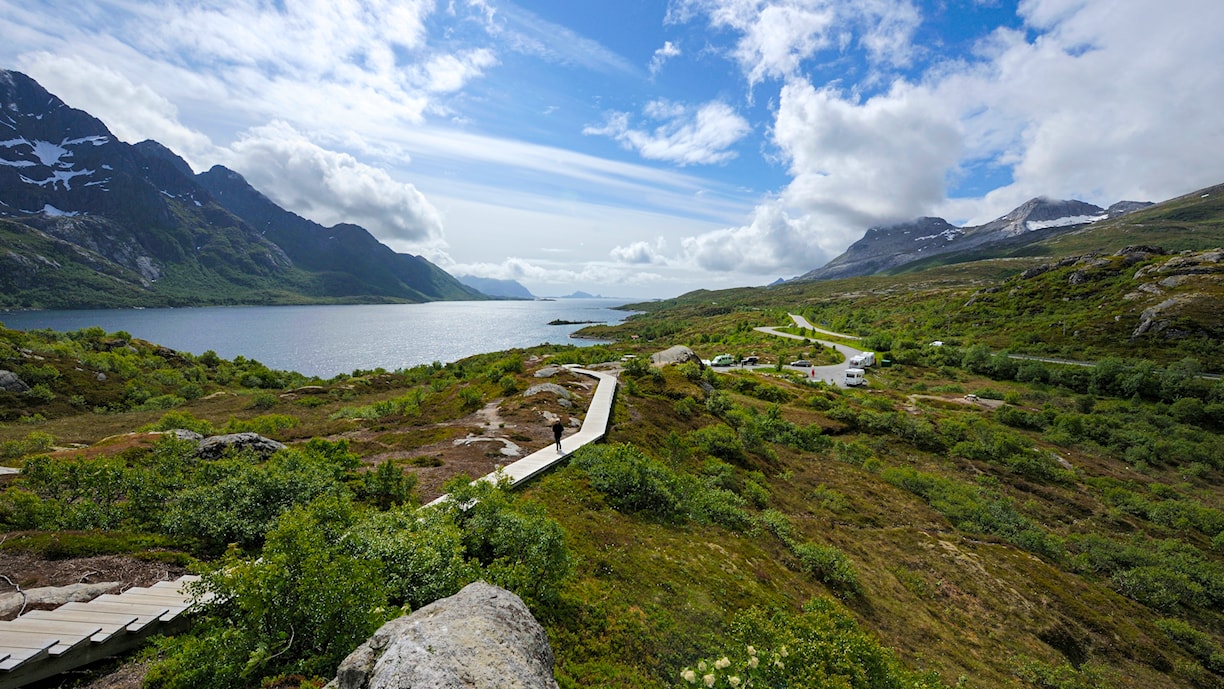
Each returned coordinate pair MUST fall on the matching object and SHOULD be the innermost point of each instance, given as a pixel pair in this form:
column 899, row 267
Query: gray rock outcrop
column 483, row 637
column 547, row 387
column 11, row 603
column 674, row 355
column 214, row 447
column 11, row 383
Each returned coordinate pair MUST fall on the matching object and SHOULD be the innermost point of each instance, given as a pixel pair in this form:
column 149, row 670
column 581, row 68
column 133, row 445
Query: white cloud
column 528, row 33
column 774, row 242
column 777, row 36
column 450, row 73
column 641, row 253
column 687, row 136
column 662, row 55
column 330, row 187
column 1110, row 102
column 858, row 163
column 132, row 112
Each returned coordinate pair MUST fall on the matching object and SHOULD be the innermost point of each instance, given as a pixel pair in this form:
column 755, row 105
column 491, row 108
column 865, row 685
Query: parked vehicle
column 855, row 377
column 723, row 360
column 863, row 360
column 749, row 361
column 802, row 363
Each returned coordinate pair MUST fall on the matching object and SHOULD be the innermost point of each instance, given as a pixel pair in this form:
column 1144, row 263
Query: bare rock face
column 214, row 447
column 483, row 637
column 9, row 381
column 674, row 355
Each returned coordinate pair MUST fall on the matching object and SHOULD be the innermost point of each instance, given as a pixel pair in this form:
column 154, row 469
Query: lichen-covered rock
column 10, row 382
column 214, row 447
column 674, row 355
column 483, row 637
column 547, row 387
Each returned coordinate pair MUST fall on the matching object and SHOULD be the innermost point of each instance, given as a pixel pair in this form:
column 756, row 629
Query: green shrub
column 235, row 501
column 1198, row 644
column 302, row 606
column 518, row 546
column 421, row 553
column 263, row 400
column 720, row 441
column 1061, row 676
column 829, row 566
column 387, row 486
column 631, row 481
column 820, row 647
column 176, row 419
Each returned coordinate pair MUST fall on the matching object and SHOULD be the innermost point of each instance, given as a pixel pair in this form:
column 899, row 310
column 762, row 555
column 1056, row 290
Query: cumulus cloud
column 775, row 241
column 858, row 163
column 686, row 136
column 1106, row 103
column 331, row 187
column 641, row 253
column 776, row 37
column 662, row 55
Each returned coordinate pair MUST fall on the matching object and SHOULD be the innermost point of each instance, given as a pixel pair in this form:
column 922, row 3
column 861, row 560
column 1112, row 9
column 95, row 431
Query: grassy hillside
column 969, row 519
column 1063, row 529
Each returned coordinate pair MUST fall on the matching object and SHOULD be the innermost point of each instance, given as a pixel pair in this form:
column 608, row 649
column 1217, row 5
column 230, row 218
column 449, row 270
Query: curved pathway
column 833, row 373
column 594, row 428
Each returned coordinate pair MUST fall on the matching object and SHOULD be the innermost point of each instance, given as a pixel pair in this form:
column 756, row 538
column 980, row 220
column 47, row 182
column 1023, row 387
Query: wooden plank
column 145, row 613
column 136, row 600
column 107, row 620
column 155, row 593
column 16, row 642
column 20, row 655
column 71, row 634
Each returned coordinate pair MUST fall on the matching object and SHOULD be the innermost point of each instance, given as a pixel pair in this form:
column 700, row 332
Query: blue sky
column 645, row 148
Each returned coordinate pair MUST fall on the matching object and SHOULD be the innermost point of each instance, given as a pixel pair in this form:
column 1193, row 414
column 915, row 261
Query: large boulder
column 214, row 447
column 10, row 382
column 483, row 637
column 674, row 355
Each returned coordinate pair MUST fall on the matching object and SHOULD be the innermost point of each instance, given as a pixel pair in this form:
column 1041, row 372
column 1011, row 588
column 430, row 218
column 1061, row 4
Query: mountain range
column 88, row 221
column 890, row 247
column 501, row 289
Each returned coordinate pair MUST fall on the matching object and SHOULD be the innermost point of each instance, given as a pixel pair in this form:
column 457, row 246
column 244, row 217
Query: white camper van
column 855, row 377
column 863, row 360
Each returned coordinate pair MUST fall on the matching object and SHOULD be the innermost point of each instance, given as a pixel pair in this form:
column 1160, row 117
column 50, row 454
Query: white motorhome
column 863, row 360
column 855, row 376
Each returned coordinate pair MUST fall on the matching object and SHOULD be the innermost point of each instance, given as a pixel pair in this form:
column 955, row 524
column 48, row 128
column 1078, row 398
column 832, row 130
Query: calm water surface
column 329, row 340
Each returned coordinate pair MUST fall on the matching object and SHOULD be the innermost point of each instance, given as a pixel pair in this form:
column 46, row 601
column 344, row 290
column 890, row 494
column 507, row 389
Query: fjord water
column 328, row 340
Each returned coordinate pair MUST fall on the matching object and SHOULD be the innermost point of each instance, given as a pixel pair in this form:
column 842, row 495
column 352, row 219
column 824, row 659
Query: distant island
column 559, row 321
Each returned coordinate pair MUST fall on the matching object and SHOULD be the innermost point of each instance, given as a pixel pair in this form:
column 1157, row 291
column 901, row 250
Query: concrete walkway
column 45, row 643
column 594, row 428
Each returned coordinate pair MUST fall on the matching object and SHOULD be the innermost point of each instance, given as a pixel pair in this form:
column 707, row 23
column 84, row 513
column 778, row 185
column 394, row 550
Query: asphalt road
column 833, row 373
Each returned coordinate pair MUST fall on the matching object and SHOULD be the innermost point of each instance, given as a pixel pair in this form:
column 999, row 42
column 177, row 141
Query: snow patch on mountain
column 1064, row 222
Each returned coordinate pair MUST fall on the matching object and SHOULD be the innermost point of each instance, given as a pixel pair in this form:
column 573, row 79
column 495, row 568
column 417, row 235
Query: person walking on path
column 557, row 429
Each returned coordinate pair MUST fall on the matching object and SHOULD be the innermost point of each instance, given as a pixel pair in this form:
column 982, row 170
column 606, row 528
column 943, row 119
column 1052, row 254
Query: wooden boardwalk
column 44, row 643
column 594, row 428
